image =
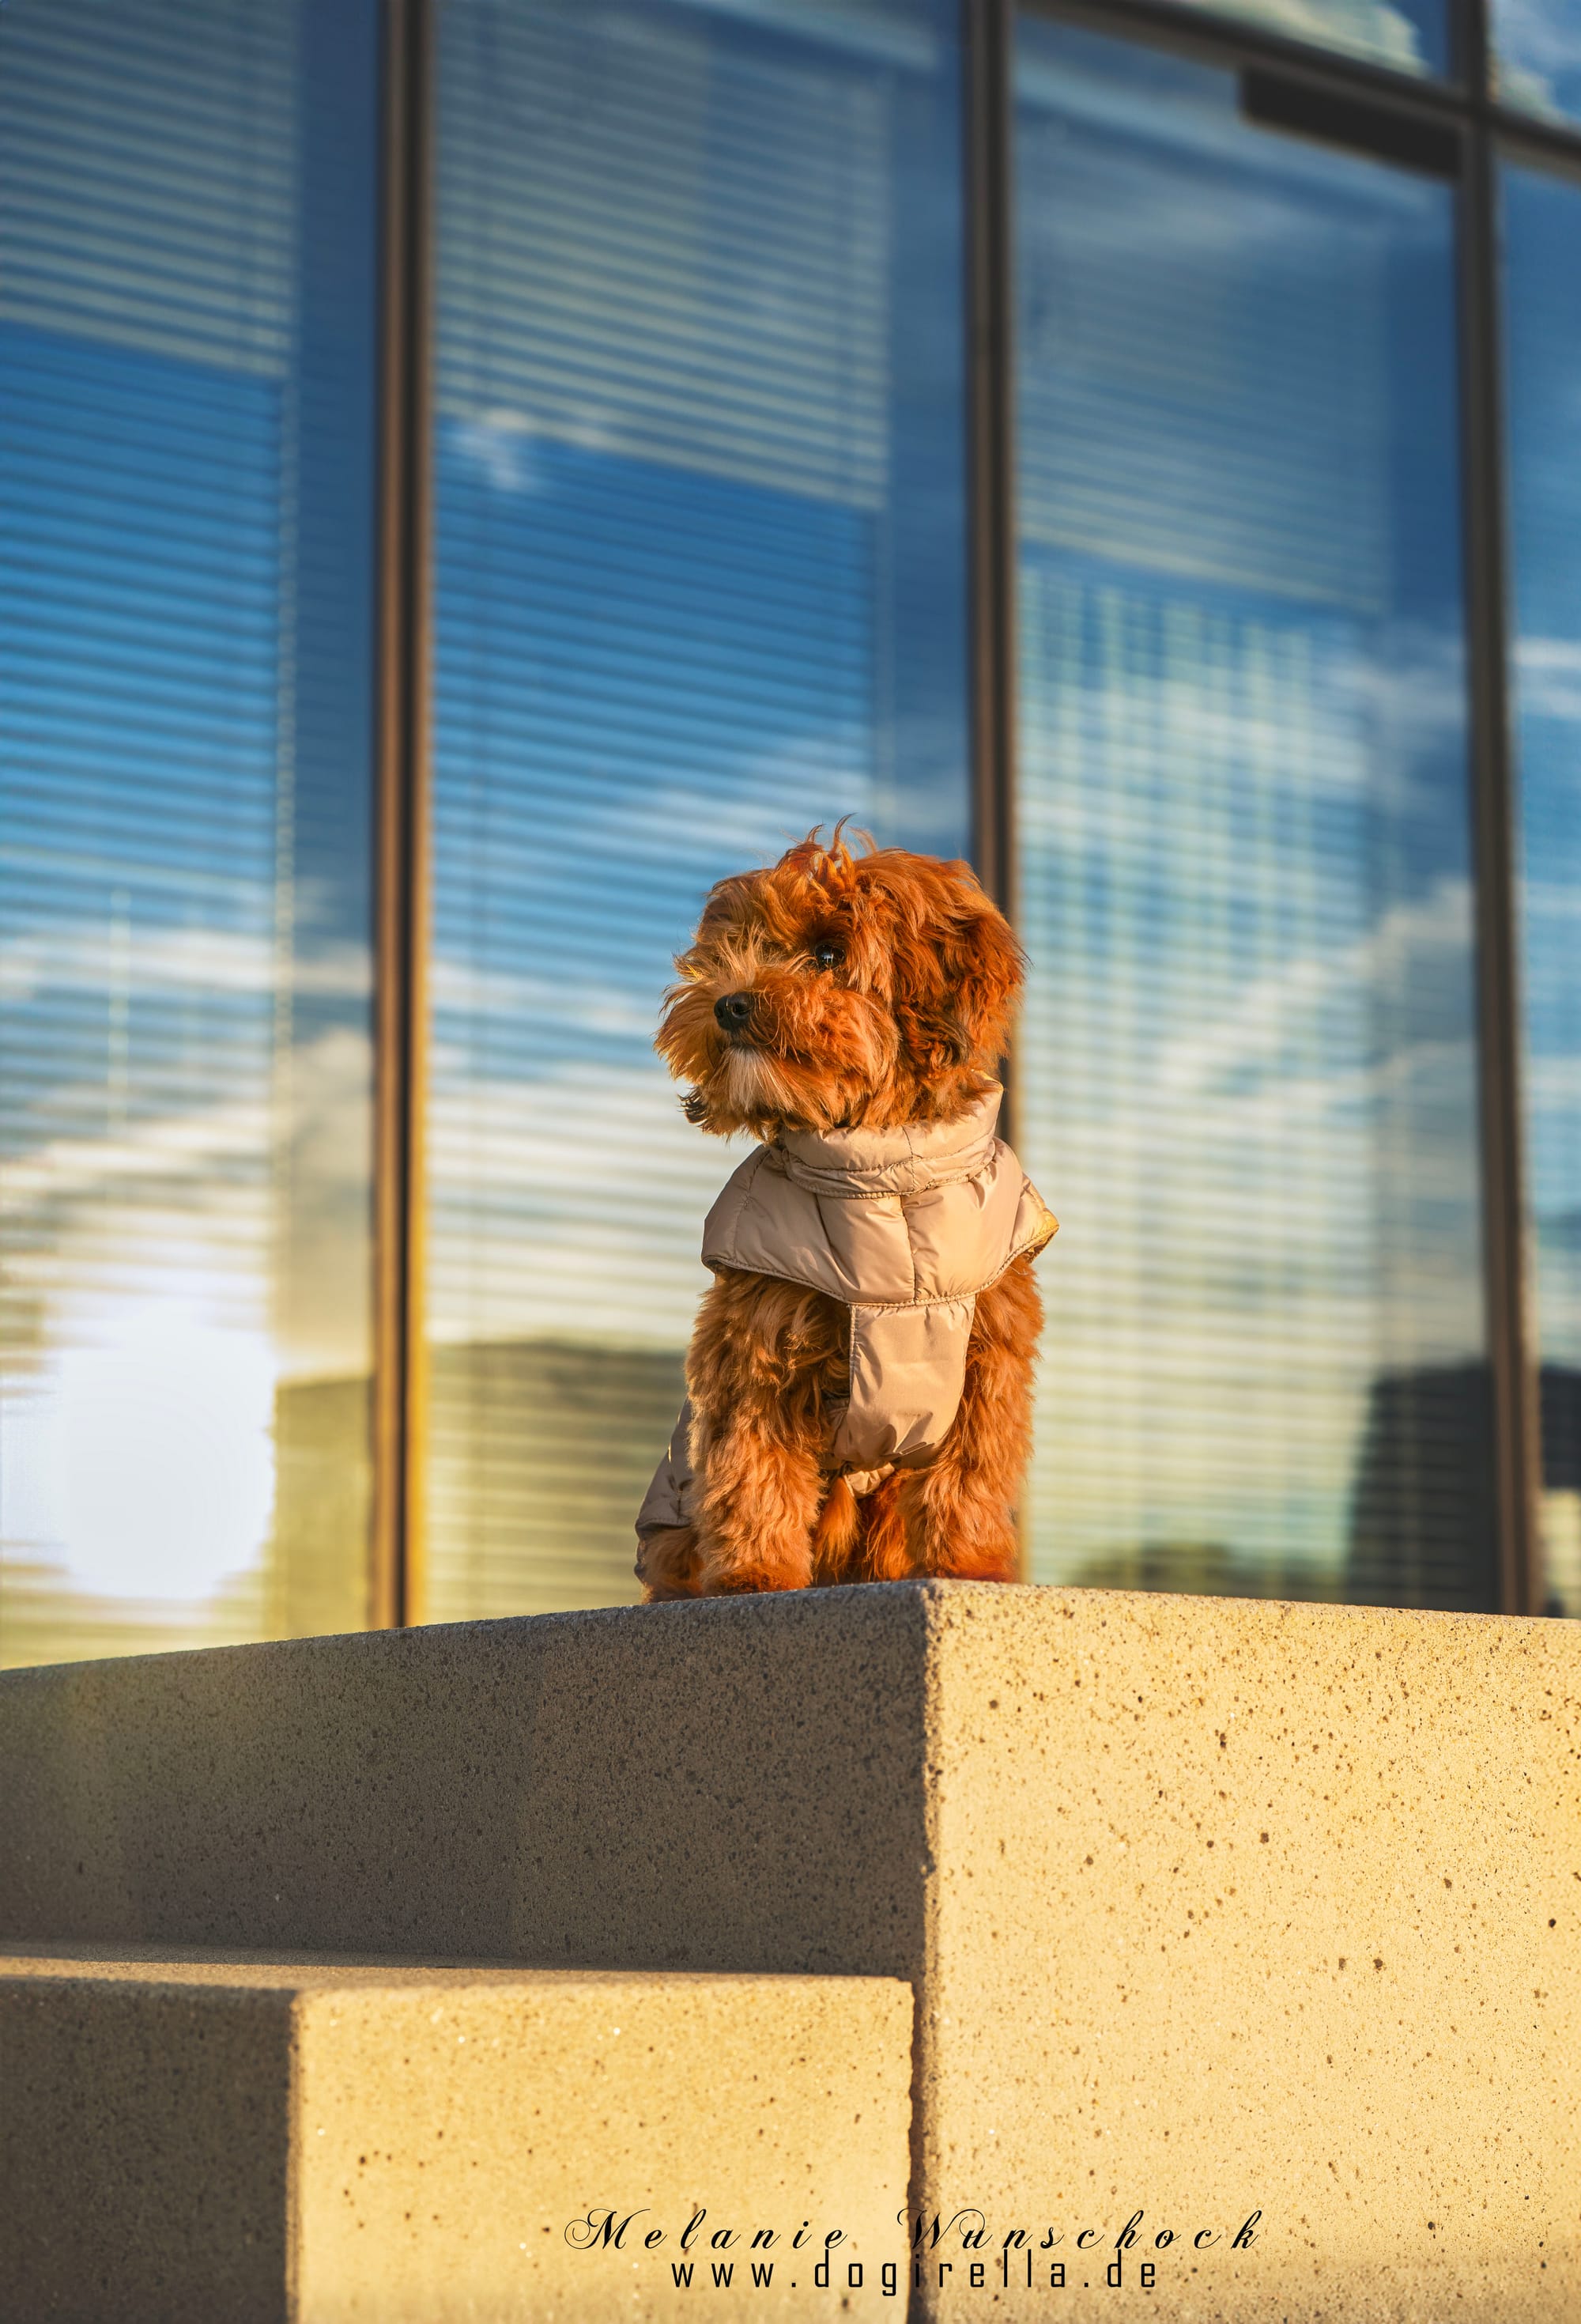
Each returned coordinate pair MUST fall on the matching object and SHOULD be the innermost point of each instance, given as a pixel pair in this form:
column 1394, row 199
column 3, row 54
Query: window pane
column 700, row 587
column 1538, row 55
column 1247, row 1061
column 1410, row 36
column 186, row 417
column 1542, row 248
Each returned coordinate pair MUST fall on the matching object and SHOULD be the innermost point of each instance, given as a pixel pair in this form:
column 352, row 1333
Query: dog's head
column 837, row 990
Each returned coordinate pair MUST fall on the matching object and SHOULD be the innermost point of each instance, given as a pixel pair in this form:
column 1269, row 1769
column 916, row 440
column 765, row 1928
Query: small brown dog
column 860, row 1381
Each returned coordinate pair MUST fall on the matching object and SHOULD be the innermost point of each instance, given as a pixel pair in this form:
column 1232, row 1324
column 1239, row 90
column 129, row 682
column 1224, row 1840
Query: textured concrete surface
column 201, row 2139
column 1261, row 1908
column 1211, row 1907
column 647, row 1788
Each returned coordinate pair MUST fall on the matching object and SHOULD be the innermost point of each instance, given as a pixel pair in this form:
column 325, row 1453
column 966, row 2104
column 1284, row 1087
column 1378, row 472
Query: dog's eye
column 827, row 955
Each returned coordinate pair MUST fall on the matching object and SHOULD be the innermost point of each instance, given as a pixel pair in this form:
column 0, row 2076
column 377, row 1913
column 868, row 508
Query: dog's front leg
column 758, row 1434
column 758, row 1491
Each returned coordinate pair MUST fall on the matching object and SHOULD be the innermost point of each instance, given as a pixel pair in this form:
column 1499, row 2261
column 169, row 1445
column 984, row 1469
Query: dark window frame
column 1456, row 128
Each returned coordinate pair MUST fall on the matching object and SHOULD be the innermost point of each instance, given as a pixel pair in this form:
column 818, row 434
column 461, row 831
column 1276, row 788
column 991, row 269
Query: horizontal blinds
column 1109, row 381
column 1543, row 245
column 147, row 173
column 667, row 438
column 1246, row 1067
column 704, row 285
column 158, row 1104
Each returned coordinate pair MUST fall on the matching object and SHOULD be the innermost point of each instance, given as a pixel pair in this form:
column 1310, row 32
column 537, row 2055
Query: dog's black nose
column 732, row 1010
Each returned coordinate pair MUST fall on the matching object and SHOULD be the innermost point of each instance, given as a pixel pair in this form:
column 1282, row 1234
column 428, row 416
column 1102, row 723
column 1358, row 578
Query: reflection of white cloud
column 195, row 1147
column 1548, row 678
column 87, row 956
column 568, row 1205
column 1331, row 712
column 145, row 1454
column 500, row 444
column 773, row 798
column 1557, row 904
column 1418, row 944
column 1367, row 28
column 1553, row 1085
column 465, row 988
column 252, row 1209
column 1539, row 55
column 1267, row 1171
column 504, row 445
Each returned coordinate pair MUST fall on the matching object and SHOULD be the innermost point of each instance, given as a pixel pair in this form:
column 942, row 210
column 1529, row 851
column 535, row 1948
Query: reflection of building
column 546, row 1451
column 321, row 1430
column 544, row 1456
column 1560, row 1403
column 1204, row 1569
column 1422, row 1529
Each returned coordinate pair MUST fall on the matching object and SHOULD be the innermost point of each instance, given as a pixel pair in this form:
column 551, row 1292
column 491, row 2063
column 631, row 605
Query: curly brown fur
column 872, row 990
column 907, row 1021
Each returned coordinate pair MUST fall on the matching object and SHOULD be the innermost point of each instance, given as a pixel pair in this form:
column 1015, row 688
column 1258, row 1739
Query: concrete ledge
column 183, row 2142
column 1210, row 1907
column 648, row 1787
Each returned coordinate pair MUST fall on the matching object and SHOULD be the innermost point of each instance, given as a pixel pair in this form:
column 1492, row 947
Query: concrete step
column 1210, row 1907
column 207, row 2139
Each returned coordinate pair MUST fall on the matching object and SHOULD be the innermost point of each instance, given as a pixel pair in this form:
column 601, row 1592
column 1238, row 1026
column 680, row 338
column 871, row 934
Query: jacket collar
column 854, row 1164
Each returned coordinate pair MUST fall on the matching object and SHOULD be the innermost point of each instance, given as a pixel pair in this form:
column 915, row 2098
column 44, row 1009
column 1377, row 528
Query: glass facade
column 1408, row 36
column 1536, row 47
column 187, row 414
column 1247, row 1060
column 700, row 585
column 728, row 299
column 1542, row 245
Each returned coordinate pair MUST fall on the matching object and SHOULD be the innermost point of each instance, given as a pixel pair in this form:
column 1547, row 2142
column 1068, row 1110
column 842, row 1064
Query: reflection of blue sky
column 1248, row 1063
column 1543, row 248
column 700, row 579
column 650, row 678
column 1542, row 236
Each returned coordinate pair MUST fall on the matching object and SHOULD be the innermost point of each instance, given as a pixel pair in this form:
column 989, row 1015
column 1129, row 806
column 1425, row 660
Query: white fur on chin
column 755, row 1085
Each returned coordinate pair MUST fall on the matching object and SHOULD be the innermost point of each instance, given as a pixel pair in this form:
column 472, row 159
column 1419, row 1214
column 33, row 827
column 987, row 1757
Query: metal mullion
column 1535, row 145
column 988, row 28
column 1473, row 45
column 989, row 37
column 402, row 712
column 1515, row 1413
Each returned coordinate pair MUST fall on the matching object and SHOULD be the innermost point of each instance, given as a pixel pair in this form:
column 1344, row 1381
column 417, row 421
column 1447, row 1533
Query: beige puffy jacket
column 905, row 1227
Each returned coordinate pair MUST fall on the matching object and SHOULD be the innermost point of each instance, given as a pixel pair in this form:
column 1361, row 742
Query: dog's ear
column 982, row 965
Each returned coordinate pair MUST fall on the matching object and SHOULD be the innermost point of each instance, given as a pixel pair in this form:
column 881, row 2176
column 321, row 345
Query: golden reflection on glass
column 1247, row 1066
column 185, row 409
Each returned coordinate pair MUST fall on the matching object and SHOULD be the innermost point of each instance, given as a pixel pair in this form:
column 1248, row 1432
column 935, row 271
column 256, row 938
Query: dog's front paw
column 766, row 1565
column 670, row 1565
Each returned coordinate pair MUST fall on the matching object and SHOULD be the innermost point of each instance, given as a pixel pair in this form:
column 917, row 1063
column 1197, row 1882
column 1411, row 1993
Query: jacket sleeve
column 667, row 1500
